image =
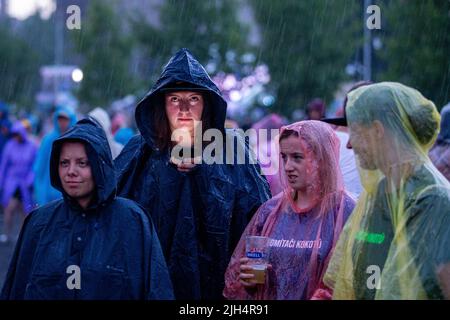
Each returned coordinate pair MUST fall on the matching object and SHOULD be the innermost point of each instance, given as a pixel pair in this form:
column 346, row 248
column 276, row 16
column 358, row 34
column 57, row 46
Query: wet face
column 301, row 171
column 75, row 172
column 63, row 124
column 183, row 108
column 362, row 141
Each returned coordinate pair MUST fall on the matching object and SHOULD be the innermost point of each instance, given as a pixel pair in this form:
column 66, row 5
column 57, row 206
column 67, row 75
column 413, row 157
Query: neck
column 398, row 165
column 304, row 198
column 84, row 202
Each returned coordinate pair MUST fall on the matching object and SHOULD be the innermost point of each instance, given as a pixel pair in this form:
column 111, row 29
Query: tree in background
column 105, row 52
column 416, row 46
column 307, row 45
column 19, row 68
column 209, row 29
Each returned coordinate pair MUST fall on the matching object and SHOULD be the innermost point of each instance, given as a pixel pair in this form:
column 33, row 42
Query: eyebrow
column 83, row 158
column 293, row 153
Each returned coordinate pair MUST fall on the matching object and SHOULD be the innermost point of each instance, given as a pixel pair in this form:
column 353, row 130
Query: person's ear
column 379, row 129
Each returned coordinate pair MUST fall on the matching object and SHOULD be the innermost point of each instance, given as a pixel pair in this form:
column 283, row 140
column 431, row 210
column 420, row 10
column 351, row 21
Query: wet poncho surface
column 399, row 233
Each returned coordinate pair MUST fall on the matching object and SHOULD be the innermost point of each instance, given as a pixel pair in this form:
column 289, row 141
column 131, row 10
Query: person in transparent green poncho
column 396, row 243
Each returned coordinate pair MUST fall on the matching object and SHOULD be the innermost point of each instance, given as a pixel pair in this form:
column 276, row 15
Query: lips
column 292, row 177
column 184, row 119
column 72, row 183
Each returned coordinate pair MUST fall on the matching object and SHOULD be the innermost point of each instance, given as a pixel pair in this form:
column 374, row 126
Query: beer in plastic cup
column 256, row 250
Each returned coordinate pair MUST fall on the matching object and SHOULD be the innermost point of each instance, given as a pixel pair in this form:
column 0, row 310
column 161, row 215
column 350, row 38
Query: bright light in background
column 235, row 95
column 77, row 75
column 22, row 9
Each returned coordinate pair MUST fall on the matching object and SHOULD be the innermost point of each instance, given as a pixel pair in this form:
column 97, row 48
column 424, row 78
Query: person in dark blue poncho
column 199, row 210
column 90, row 244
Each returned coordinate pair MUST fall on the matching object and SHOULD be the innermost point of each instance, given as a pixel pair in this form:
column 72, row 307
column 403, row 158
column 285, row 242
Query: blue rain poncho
column 200, row 215
column 113, row 241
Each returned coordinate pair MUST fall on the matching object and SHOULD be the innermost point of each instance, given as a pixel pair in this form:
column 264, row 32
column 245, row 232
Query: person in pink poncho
column 303, row 222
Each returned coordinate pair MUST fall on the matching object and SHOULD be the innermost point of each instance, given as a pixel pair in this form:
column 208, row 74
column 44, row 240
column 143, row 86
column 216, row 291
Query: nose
column 71, row 171
column 288, row 166
column 184, row 106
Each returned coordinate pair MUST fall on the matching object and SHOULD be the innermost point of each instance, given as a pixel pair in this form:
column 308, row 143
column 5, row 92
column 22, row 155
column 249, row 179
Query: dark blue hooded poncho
column 200, row 215
column 113, row 241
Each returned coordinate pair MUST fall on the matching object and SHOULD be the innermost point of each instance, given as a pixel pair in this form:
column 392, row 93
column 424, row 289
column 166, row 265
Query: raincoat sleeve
column 4, row 163
column 31, row 175
column 40, row 167
column 19, row 271
column 431, row 238
column 39, row 163
column 252, row 191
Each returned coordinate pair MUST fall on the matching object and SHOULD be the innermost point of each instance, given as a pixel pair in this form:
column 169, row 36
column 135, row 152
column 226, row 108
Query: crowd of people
column 357, row 207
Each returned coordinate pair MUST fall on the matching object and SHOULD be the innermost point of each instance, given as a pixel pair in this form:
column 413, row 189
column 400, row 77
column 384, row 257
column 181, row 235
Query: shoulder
column 128, row 211
column 267, row 207
column 43, row 214
column 434, row 198
column 130, row 152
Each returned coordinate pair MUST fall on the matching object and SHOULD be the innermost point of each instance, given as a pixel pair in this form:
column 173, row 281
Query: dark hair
column 354, row 87
column 287, row 133
column 161, row 122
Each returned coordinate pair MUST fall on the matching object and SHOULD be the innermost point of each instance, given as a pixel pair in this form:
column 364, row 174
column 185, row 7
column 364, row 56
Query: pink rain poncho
column 300, row 240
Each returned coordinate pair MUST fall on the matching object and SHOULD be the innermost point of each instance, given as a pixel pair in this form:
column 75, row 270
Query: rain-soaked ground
column 6, row 250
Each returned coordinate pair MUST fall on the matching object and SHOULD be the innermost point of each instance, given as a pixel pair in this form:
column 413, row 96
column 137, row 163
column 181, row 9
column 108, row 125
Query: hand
column 245, row 277
column 185, row 165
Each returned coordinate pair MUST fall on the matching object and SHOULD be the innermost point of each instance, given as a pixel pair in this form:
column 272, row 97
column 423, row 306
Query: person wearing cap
column 16, row 177
column 91, row 244
column 347, row 160
column 63, row 119
column 396, row 243
column 200, row 210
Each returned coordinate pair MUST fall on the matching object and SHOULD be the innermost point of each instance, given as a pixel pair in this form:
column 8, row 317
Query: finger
column 246, row 276
column 175, row 161
column 247, row 284
column 244, row 260
column 187, row 165
column 245, row 267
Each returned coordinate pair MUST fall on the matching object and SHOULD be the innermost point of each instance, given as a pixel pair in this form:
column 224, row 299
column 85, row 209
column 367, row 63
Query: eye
column 298, row 157
column 195, row 98
column 83, row 163
column 173, row 99
column 64, row 163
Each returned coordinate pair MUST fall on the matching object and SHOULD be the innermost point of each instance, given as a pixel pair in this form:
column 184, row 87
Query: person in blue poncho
column 5, row 125
column 200, row 210
column 91, row 244
column 63, row 119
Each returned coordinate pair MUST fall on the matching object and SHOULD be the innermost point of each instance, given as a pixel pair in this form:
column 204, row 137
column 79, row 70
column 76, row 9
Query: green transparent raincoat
column 398, row 237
